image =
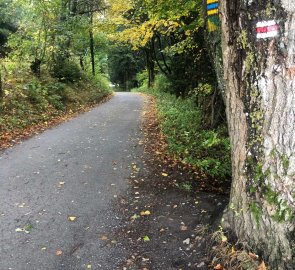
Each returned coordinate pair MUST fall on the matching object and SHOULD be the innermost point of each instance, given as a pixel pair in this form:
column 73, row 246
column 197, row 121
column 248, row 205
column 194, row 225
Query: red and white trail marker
column 267, row 29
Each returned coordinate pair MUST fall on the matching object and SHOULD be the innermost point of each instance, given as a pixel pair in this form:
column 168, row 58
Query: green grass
column 181, row 124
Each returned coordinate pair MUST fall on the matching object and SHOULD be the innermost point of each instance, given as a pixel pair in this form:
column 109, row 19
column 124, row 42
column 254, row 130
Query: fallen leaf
column 187, row 241
column 104, row 238
column 135, row 217
column 146, row 239
column 183, row 228
column 72, row 218
column 89, row 266
column 200, row 265
column 262, row 266
column 145, row 213
column 165, row 174
column 223, row 238
column 218, row 267
column 253, row 256
column 43, row 248
column 58, row 252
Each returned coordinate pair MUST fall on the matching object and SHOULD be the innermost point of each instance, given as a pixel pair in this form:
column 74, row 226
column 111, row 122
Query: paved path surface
column 76, row 169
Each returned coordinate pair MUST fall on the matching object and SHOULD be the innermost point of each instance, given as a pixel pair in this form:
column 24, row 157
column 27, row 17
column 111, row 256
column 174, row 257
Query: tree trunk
column 81, row 61
column 260, row 99
column 91, row 43
column 150, row 67
column 1, row 86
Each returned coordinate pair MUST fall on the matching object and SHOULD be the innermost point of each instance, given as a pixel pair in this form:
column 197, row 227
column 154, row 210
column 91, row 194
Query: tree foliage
column 55, row 33
column 171, row 37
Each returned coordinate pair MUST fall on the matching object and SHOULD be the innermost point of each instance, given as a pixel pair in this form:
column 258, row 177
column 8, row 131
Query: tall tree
column 258, row 42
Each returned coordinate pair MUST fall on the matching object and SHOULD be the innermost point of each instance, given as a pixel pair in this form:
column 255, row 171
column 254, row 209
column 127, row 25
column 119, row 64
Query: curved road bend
column 77, row 170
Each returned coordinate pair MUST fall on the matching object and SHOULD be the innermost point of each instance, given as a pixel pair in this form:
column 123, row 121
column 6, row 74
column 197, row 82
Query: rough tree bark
column 260, row 99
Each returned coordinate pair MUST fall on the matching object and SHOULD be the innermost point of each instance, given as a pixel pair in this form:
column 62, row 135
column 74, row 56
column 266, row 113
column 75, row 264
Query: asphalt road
column 77, row 169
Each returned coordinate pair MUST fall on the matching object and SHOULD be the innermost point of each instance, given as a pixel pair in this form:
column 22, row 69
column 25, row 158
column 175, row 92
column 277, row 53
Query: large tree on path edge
column 258, row 43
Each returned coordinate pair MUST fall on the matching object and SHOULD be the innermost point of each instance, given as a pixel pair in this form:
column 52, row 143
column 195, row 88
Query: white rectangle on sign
column 267, row 29
column 266, row 23
column 268, row 34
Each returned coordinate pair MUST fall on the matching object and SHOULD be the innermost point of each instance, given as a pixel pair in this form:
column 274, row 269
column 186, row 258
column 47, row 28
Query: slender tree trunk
column 260, row 100
column 126, row 81
column 1, row 86
column 91, row 43
column 81, row 60
column 150, row 67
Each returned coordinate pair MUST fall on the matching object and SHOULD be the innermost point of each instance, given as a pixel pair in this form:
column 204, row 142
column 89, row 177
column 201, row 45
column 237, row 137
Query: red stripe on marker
column 267, row 29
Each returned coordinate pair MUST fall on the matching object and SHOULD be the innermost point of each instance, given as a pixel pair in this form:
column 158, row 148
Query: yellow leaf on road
column 165, row 174
column 146, row 239
column 72, row 218
column 145, row 213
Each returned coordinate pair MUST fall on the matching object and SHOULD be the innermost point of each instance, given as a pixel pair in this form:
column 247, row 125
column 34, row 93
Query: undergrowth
column 29, row 100
column 228, row 256
column 181, row 124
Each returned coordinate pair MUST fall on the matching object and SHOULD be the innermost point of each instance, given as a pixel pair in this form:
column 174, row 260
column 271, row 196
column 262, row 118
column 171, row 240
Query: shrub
column 66, row 71
column 181, row 123
column 56, row 102
column 162, row 82
column 36, row 94
column 142, row 78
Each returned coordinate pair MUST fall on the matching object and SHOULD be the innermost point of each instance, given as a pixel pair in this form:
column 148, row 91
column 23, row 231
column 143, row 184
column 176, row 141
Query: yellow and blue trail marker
column 212, row 13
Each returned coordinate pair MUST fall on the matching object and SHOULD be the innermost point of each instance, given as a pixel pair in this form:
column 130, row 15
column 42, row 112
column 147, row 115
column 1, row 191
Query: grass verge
column 181, row 125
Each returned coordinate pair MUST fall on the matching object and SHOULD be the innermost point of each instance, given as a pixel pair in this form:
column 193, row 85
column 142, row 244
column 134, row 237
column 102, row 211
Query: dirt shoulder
column 170, row 210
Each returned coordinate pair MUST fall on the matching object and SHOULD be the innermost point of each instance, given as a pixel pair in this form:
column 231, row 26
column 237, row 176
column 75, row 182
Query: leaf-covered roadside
column 32, row 105
column 188, row 141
